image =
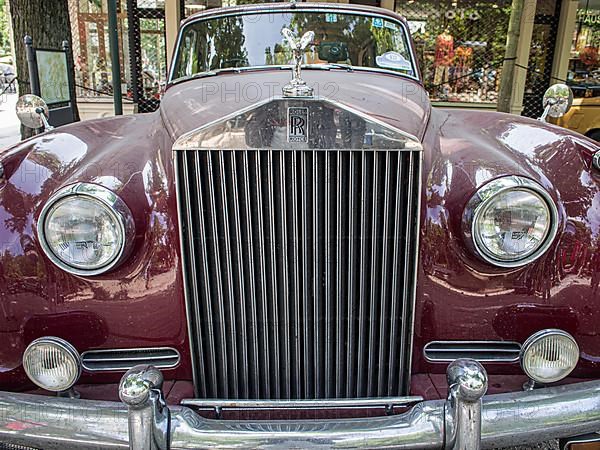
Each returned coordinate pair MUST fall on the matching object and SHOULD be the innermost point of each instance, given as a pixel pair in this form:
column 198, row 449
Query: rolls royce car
column 297, row 251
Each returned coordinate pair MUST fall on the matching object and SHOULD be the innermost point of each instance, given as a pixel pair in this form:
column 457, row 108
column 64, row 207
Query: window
column 252, row 40
column 460, row 46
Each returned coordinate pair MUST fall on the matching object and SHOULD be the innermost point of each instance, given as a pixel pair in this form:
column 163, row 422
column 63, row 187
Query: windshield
column 253, row 40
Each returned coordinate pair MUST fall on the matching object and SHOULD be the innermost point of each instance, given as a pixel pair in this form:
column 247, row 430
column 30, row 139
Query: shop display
column 584, row 76
column 444, row 56
column 460, row 45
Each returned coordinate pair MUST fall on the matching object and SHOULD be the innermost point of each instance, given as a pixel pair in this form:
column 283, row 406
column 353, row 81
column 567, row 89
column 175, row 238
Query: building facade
column 460, row 47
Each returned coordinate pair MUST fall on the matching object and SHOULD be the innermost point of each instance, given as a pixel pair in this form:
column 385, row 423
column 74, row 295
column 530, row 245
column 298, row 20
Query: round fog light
column 549, row 355
column 52, row 363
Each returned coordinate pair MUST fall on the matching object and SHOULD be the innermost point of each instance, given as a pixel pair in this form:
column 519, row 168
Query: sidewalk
column 10, row 127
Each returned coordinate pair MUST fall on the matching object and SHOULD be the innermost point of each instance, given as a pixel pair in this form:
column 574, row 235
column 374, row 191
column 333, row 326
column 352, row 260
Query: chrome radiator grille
column 299, row 270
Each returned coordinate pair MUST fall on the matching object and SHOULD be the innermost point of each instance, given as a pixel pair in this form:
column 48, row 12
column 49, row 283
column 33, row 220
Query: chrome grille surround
column 264, row 225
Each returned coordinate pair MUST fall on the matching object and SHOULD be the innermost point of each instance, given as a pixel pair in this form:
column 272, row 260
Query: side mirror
column 33, row 112
column 557, row 101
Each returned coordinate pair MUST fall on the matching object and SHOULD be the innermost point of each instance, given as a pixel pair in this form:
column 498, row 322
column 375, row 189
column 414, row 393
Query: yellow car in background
column 583, row 117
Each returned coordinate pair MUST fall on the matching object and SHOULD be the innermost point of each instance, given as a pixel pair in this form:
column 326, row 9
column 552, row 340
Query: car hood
column 397, row 101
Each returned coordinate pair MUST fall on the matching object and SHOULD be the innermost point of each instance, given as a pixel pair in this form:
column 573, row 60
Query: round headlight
column 52, row 363
column 549, row 355
column 511, row 221
column 85, row 229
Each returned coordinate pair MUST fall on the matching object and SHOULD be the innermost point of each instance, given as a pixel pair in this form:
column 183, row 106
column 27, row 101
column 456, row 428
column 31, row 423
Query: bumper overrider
column 466, row 420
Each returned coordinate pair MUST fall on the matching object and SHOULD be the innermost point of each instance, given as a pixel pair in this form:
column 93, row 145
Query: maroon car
column 298, row 251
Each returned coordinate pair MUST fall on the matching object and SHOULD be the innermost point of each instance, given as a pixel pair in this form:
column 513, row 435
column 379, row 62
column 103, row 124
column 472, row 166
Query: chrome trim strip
column 468, row 349
column 116, row 207
column 585, row 439
column 346, row 403
column 407, row 36
column 144, row 356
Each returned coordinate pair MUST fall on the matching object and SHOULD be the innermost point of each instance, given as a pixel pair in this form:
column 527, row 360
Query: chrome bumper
column 465, row 420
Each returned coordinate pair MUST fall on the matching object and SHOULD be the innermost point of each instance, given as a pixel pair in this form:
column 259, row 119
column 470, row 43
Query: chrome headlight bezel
column 477, row 205
column 62, row 346
column 535, row 339
column 116, row 208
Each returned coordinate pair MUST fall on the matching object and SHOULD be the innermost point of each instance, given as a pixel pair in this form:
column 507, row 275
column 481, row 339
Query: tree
column 48, row 23
column 508, row 68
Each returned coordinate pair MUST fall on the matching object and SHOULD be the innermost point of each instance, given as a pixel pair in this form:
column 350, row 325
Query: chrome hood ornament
column 297, row 87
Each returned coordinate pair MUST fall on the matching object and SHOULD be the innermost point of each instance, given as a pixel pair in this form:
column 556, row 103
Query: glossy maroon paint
column 459, row 297
column 140, row 304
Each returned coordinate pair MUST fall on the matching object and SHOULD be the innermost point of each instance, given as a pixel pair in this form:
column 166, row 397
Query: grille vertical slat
column 191, row 255
column 285, row 281
column 298, row 267
column 385, row 295
column 352, row 282
column 306, row 286
column 407, row 262
column 255, row 358
column 340, row 316
column 272, row 281
column 228, row 289
column 395, row 289
column 214, row 382
column 316, row 281
column 375, row 299
column 293, row 192
column 217, row 295
column 258, row 228
column 363, row 322
column 328, row 316
column 237, row 263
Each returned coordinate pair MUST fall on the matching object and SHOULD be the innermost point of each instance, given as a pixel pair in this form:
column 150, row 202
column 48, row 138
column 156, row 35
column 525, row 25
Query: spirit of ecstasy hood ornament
column 297, row 87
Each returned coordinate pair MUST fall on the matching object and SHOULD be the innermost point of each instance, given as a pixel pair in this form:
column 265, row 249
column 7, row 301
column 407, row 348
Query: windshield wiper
column 328, row 66
column 212, row 73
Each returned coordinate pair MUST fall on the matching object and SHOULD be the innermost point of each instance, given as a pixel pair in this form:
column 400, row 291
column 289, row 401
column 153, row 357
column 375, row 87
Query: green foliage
column 4, row 29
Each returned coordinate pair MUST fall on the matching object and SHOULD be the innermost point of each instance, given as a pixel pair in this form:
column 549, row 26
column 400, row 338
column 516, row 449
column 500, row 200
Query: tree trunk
column 510, row 57
column 48, row 23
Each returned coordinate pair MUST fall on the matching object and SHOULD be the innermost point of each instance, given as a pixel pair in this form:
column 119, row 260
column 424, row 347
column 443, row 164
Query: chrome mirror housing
column 33, row 112
column 558, row 99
